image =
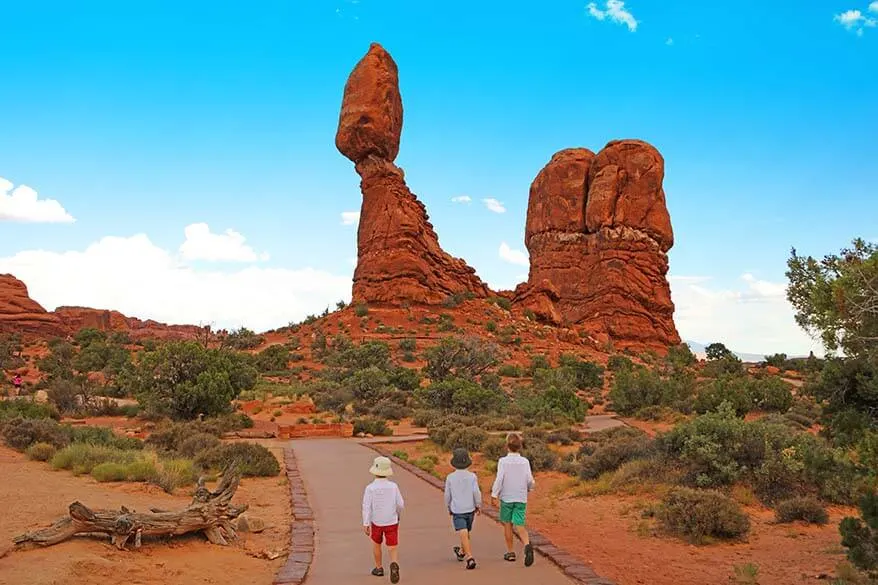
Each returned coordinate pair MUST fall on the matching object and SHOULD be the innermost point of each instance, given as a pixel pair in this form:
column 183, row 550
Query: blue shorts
column 463, row 521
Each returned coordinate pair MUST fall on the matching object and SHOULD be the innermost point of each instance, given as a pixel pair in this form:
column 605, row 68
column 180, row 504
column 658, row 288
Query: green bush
column 736, row 390
column 372, row 426
column 81, row 458
column 541, row 457
column 469, row 438
column 501, row 302
column 405, row 379
column 252, row 459
column 273, row 358
column 509, row 371
column 408, row 344
column 243, row 338
column 142, row 470
column 599, row 455
column 41, row 452
column 10, row 409
column 197, row 443
column 586, row 374
column 698, row 515
column 618, row 363
column 773, row 394
column 21, row 433
column 174, row 473
column 494, row 448
column 860, row 536
column 459, row 357
column 110, row 471
column 807, row 509
column 491, row 326
column 639, row 387
column 538, row 362
column 361, row 309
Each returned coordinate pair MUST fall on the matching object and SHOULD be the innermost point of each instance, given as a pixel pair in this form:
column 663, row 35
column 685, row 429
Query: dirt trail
column 34, row 495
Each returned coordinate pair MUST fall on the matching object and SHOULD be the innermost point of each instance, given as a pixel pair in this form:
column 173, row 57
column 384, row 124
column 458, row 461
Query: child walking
column 513, row 483
column 463, row 500
column 382, row 503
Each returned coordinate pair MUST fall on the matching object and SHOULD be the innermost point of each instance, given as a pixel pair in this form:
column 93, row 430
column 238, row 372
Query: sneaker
column 528, row 555
column 459, row 554
column 378, row 572
column 471, row 564
column 394, row 573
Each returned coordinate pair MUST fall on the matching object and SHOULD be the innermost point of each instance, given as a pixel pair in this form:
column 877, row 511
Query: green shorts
column 513, row 512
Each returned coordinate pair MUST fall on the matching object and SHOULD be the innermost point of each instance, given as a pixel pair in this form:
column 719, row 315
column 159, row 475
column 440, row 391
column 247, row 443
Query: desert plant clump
column 41, row 452
column 252, row 459
column 469, row 438
column 700, row 515
column 807, row 509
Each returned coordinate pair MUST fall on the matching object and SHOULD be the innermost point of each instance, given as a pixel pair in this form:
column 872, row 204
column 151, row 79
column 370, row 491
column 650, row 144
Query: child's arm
column 400, row 503
column 477, row 493
column 447, row 495
column 531, row 483
column 498, row 482
column 367, row 507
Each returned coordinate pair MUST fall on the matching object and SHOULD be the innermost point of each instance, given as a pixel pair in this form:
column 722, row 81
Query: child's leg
column 522, row 534
column 507, row 532
column 394, row 554
column 376, row 552
column 465, row 542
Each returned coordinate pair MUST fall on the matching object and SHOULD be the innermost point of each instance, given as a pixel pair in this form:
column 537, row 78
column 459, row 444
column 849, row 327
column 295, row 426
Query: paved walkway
column 335, row 473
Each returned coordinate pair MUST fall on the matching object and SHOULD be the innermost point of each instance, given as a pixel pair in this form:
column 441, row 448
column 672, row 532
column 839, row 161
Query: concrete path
column 335, row 473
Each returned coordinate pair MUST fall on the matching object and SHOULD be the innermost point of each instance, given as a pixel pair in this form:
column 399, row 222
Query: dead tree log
column 210, row 512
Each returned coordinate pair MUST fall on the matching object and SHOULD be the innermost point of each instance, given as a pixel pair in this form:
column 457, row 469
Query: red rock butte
column 598, row 229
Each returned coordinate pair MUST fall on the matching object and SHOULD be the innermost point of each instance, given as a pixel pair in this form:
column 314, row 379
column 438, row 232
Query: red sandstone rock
column 540, row 299
column 398, row 254
column 598, row 230
column 20, row 314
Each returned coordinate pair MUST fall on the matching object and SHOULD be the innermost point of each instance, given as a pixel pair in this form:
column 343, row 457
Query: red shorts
column 390, row 533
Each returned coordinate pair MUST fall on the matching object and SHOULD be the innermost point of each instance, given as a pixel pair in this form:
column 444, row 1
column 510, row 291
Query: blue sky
column 147, row 118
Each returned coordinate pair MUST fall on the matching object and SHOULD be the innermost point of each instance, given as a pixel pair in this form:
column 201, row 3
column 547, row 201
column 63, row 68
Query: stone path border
column 301, row 530
column 575, row 569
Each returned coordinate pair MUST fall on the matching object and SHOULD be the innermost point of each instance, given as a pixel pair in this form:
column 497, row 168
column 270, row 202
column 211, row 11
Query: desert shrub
column 459, row 357
column 470, row 438
column 372, row 426
column 736, row 390
column 491, row 326
column 405, row 379
column 602, row 455
column 425, row 417
column 541, row 457
column 185, row 380
column 197, row 443
column 174, row 473
column 727, row 366
column 538, row 362
column 494, row 448
column 501, row 302
column 698, row 515
column 773, row 394
column 252, row 459
column 110, row 471
column 243, row 338
column 807, row 509
column 273, row 358
column 101, row 436
column 639, row 387
column 143, row 469
column 618, row 363
column 361, row 309
column 563, row 437
column 408, row 344
column 41, row 452
column 585, row 374
column 102, row 356
column 860, row 536
column 509, row 371
column 19, row 433
column 425, row 463
column 81, row 458
column 26, row 409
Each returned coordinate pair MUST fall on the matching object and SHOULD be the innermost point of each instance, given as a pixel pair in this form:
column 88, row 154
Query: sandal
column 509, row 557
column 378, row 572
column 528, row 555
column 459, row 554
column 394, row 573
column 471, row 564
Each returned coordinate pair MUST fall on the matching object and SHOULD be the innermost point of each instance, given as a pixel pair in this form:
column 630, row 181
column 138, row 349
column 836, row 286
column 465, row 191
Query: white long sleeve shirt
column 462, row 493
column 382, row 503
column 514, row 479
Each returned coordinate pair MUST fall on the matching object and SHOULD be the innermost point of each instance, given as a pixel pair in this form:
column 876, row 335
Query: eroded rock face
column 598, row 231
column 21, row 314
column 398, row 254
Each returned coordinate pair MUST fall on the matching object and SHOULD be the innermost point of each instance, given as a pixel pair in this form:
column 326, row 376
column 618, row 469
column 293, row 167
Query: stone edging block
column 575, row 569
column 302, row 531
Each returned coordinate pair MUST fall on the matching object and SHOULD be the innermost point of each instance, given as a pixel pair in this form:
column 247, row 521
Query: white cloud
column 856, row 21
column 462, row 199
column 513, row 256
column 494, row 205
column 140, row 279
column 615, row 11
column 753, row 317
column 202, row 244
column 22, row 204
column 350, row 217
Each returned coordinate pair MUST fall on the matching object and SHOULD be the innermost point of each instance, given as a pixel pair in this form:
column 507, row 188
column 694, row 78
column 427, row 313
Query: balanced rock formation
column 598, row 232
column 21, row 314
column 398, row 254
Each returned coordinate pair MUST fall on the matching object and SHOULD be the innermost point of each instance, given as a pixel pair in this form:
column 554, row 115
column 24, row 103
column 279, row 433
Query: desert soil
column 608, row 533
column 33, row 496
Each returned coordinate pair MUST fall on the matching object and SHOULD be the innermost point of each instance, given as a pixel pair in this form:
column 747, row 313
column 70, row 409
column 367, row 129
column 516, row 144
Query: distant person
column 16, row 385
column 382, row 503
column 514, row 481
column 464, row 500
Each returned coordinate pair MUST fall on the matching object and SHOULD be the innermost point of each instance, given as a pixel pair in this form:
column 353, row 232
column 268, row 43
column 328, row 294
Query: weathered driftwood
column 210, row 512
